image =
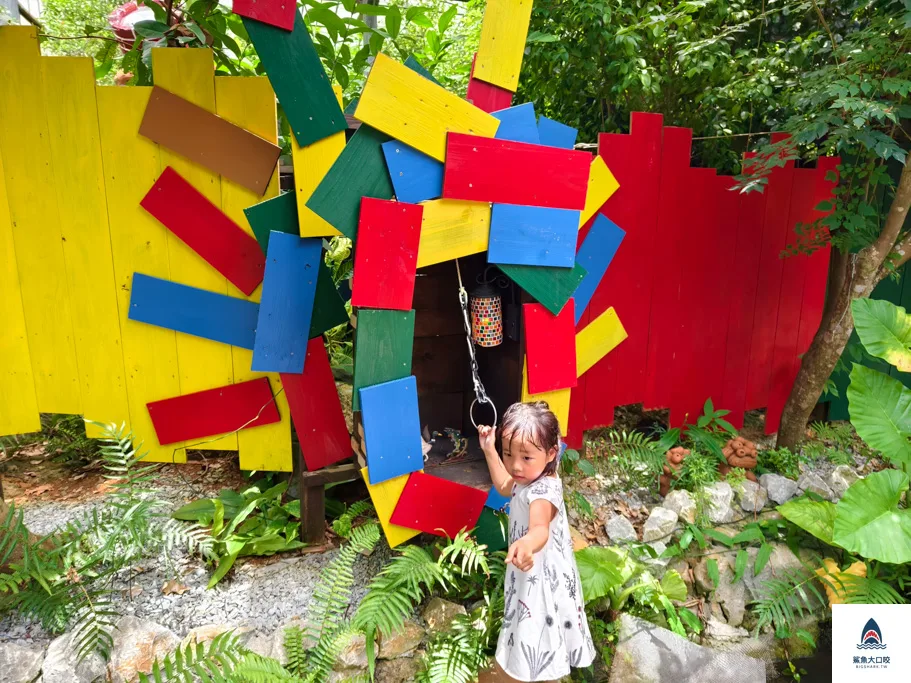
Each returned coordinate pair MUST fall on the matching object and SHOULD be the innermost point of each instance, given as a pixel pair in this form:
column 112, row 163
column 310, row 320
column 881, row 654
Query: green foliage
column 788, row 597
column 780, row 461
column 699, row 469
column 212, row 661
column 884, row 330
column 344, row 524
column 66, row 438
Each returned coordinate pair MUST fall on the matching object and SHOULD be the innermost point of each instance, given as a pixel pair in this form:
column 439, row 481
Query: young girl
column 544, row 629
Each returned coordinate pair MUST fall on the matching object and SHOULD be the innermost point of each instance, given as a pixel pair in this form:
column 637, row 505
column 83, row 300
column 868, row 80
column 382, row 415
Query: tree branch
column 885, row 244
column 46, row 35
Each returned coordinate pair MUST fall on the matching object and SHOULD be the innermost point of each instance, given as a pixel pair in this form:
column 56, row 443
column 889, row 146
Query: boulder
column 781, row 563
column 659, row 525
column 681, row 501
column 717, row 631
column 647, row 653
column 730, row 597
column 61, row 664
column 354, row 656
column 810, row 481
column 718, row 498
column 137, row 644
column 751, row 496
column 439, row 613
column 619, row 529
column 840, row 480
column 780, row 489
column 273, row 644
column 19, row 664
column 399, row 670
column 402, row 642
column 209, row 632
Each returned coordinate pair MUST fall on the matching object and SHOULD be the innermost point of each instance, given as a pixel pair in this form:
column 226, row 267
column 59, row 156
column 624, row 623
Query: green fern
column 253, row 668
column 343, row 525
column 213, row 661
column 464, row 552
column 295, row 650
column 458, row 655
column 326, row 652
column 861, row 590
column 788, row 599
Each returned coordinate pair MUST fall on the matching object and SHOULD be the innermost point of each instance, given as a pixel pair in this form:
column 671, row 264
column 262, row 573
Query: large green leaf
column 817, row 518
column 880, row 409
column 868, row 521
column 673, row 586
column 885, row 330
column 600, row 570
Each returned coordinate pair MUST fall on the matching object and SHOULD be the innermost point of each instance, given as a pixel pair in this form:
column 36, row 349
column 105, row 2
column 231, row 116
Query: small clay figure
column 739, row 453
column 671, row 470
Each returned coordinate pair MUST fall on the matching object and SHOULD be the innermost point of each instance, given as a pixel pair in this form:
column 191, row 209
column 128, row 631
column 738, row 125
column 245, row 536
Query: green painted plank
column 490, row 531
column 359, row 171
column 383, row 344
column 328, row 307
column 278, row 213
column 298, row 79
column 551, row 287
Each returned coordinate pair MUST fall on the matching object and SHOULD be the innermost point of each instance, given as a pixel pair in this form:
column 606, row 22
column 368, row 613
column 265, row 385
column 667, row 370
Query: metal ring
column 471, row 412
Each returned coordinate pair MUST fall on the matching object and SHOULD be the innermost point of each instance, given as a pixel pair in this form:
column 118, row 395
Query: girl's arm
column 502, row 481
column 521, row 553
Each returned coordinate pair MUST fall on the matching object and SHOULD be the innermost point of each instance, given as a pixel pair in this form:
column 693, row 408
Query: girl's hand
column 488, row 438
column 520, row 555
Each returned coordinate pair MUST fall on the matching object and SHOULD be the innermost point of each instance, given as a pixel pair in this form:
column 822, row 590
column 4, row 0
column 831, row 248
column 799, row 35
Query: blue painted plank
column 392, row 429
column 193, row 311
column 415, row 176
column 595, row 254
column 533, row 236
column 496, row 500
column 286, row 307
column 518, row 124
column 555, row 134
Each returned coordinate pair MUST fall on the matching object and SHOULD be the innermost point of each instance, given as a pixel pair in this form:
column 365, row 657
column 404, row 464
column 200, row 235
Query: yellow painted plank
column 451, row 228
column 601, row 185
column 75, row 148
column 203, row 364
column 597, row 339
column 18, row 415
column 558, row 400
column 36, row 222
column 139, row 243
column 250, row 104
column 402, row 103
column 311, row 163
column 502, row 45
column 385, row 496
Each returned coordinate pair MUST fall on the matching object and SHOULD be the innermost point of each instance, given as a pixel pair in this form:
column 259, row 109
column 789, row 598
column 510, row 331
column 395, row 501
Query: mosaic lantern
column 486, row 313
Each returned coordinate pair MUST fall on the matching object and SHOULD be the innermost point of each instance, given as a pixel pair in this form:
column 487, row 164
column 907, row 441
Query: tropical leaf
column 868, row 521
column 673, row 586
column 885, row 330
column 880, row 409
column 600, row 570
column 814, row 517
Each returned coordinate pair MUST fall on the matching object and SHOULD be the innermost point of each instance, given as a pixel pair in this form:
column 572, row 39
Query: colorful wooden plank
column 299, row 79
column 410, row 108
column 386, row 255
column 383, row 344
column 533, row 236
column 595, row 254
column 601, row 185
column 500, row 171
column 204, row 228
column 451, row 229
column 486, row 96
column 359, row 171
column 496, row 500
column 438, row 506
column 392, row 429
column 551, row 287
column 216, row 411
column 328, row 307
column 278, row 214
column 317, row 410
column 492, row 530
column 208, row 315
column 286, row 308
column 550, row 343
column 597, row 339
column 208, row 140
column 558, row 400
column 385, row 496
column 502, row 46
column 555, row 134
column 415, row 176
column 518, row 124
column 278, row 13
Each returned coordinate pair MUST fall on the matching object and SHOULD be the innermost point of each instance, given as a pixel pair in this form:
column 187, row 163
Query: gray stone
column 650, row 654
column 398, row 670
column 209, row 632
column 62, row 665
column 354, row 656
column 718, row 498
column 810, row 481
column 781, row 563
column 730, row 597
column 751, row 496
column 137, row 644
column 19, row 664
column 780, row 489
column 717, row 630
column 841, row 478
column 402, row 642
column 660, row 524
column 681, row 501
column 439, row 614
column 619, row 529
column 657, row 565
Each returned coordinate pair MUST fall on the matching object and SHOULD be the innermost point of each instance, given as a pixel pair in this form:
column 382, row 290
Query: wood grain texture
column 386, row 255
column 392, row 429
column 533, row 236
column 551, row 287
column 555, row 134
column 317, row 410
column 597, row 339
column 486, row 96
column 500, row 171
column 518, row 124
column 451, row 229
column 601, row 185
column 278, row 213
column 299, row 79
column 595, row 254
column 385, row 496
column 403, row 104
column 437, row 506
column 550, row 343
column 382, row 348
column 502, row 46
column 216, row 411
column 415, row 176
column 278, row 13
column 204, row 228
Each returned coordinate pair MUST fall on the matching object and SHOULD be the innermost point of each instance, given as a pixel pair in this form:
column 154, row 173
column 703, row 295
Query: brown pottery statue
column 671, row 470
column 739, row 453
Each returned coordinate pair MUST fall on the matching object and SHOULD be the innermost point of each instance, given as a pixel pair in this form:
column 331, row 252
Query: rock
column 780, row 489
column 781, row 562
column 718, row 499
column 647, row 654
column 19, row 664
column 208, row 633
column 682, row 567
column 730, row 597
column 398, row 670
column 61, row 664
column 751, row 496
column 401, row 642
column 137, row 644
column 354, row 656
column 619, row 529
column 439, row 614
column 660, row 524
column 809, row 481
column 681, row 501
column 717, row 630
column 841, row 479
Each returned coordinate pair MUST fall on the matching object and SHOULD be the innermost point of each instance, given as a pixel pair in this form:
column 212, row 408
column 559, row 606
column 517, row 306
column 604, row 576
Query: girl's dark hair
column 534, row 422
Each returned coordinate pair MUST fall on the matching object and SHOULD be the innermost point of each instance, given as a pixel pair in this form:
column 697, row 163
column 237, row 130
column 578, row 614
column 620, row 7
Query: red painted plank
column 550, row 343
column 386, row 254
column 486, row 96
column 438, row 506
column 575, row 430
column 317, row 410
column 206, row 230
column 489, row 170
column 214, row 411
column 275, row 12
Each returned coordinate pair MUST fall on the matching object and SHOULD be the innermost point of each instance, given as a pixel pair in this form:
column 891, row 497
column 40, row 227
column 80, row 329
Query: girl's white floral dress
column 545, row 631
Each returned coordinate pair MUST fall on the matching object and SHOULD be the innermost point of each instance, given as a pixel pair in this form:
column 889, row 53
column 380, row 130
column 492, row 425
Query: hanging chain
column 479, row 391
